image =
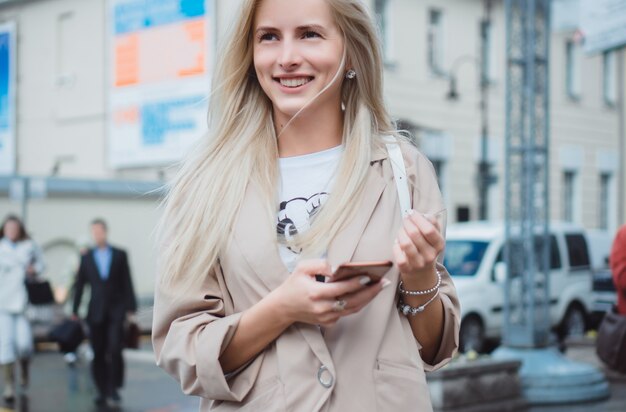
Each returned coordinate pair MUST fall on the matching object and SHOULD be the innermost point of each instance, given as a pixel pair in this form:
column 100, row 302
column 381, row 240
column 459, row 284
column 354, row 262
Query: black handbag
column 611, row 341
column 39, row 292
column 69, row 335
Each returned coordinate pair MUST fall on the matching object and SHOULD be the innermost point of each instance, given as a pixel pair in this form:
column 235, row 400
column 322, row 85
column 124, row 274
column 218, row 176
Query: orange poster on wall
column 160, row 54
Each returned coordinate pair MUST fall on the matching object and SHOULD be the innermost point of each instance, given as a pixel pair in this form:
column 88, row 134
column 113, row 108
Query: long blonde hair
column 206, row 195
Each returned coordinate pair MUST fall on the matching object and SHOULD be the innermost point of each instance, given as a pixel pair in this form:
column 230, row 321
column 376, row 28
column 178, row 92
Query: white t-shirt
column 305, row 184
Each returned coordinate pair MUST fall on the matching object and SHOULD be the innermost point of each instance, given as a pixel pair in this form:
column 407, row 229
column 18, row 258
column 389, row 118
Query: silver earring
column 351, row 74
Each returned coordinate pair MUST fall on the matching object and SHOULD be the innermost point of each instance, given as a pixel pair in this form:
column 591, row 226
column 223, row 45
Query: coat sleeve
column 79, row 285
column 427, row 199
column 191, row 331
column 129, row 290
column 618, row 260
column 37, row 259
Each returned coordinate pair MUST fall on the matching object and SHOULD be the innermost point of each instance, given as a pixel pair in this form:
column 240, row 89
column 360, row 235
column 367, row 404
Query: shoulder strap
column 399, row 173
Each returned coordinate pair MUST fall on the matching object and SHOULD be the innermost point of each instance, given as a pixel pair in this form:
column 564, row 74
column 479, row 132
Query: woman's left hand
column 417, row 245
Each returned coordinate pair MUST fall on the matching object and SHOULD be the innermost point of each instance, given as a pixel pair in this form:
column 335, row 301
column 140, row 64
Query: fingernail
column 386, row 282
column 364, row 280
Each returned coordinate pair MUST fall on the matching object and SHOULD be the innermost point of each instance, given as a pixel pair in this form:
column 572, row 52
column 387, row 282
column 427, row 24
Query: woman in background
column 20, row 258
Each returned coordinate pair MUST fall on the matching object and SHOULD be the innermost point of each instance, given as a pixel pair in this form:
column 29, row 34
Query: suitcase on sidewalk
column 69, row 335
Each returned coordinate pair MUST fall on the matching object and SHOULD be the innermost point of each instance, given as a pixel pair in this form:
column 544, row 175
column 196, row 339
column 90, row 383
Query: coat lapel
column 344, row 244
column 255, row 235
column 94, row 267
column 114, row 256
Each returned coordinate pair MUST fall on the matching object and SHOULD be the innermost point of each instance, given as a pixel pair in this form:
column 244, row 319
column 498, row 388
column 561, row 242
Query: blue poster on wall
column 4, row 81
column 7, row 98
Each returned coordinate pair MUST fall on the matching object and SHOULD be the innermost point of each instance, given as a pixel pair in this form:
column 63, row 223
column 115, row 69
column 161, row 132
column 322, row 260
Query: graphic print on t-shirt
column 295, row 216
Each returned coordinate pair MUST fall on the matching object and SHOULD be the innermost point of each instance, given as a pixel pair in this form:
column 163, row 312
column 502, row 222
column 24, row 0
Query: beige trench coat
column 369, row 361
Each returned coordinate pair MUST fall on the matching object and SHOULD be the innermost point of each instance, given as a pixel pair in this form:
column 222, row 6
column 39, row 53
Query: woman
column 20, row 258
column 294, row 180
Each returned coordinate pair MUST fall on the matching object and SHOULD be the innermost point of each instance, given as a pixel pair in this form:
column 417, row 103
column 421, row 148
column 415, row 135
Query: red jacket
column 618, row 267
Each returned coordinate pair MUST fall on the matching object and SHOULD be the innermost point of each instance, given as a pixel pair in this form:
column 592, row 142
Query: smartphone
column 375, row 270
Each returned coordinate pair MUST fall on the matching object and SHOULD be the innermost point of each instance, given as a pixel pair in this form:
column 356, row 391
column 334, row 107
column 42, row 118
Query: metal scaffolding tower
column 547, row 377
column 526, row 316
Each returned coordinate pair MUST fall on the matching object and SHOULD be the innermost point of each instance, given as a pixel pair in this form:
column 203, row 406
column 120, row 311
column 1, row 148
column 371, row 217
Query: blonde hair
column 201, row 208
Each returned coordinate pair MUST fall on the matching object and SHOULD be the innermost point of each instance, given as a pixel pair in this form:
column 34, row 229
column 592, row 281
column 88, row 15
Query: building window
column 605, row 201
column 435, row 41
column 572, row 67
column 569, row 195
column 383, row 16
column 609, row 79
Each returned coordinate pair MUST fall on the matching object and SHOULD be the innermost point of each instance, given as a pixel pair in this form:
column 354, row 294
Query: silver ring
column 339, row 305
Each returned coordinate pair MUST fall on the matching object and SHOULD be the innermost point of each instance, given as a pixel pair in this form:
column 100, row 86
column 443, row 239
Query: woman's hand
column 417, row 246
column 31, row 273
column 303, row 299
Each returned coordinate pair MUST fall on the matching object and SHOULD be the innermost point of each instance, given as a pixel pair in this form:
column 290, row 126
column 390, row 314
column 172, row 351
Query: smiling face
column 298, row 50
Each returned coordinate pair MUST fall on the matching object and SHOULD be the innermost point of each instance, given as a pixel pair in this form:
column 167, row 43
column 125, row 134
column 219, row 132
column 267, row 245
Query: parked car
column 604, row 295
column 475, row 258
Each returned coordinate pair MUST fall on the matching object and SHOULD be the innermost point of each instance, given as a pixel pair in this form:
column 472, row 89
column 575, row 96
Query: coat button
column 324, row 376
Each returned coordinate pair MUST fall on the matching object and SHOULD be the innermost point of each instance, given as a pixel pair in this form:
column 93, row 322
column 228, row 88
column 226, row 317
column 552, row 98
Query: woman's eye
column 267, row 36
column 310, row 34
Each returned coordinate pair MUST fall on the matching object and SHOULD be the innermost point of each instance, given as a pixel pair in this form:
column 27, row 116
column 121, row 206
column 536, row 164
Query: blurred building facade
column 430, row 42
column 433, row 61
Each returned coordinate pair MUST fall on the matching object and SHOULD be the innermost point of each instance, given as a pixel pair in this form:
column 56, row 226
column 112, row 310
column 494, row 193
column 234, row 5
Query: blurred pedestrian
column 618, row 268
column 20, row 259
column 105, row 269
column 296, row 178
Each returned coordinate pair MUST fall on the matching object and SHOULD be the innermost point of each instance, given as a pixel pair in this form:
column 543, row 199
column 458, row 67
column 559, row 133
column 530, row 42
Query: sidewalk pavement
column 583, row 350
column 56, row 387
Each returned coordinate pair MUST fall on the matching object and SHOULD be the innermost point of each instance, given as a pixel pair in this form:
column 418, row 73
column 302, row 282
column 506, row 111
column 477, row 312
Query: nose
column 289, row 57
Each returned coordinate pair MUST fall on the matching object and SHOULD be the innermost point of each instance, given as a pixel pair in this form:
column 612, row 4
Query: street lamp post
column 484, row 169
column 484, row 177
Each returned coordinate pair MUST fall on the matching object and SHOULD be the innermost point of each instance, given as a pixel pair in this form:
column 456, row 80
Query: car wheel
column 472, row 335
column 574, row 322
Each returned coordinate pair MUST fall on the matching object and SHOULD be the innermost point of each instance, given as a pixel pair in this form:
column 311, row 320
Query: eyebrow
column 299, row 28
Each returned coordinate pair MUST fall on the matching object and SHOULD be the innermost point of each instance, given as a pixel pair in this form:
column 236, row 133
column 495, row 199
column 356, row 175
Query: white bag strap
column 399, row 173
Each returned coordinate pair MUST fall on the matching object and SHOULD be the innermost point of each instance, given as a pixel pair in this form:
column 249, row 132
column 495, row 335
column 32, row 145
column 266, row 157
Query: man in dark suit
column 105, row 269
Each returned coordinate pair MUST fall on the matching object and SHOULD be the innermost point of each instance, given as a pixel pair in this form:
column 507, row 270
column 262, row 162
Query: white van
column 474, row 257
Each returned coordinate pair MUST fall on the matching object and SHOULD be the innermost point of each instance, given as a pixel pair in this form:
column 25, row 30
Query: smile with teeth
column 295, row 82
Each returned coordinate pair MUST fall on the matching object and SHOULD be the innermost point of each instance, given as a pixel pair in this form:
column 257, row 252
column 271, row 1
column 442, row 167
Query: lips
column 293, row 82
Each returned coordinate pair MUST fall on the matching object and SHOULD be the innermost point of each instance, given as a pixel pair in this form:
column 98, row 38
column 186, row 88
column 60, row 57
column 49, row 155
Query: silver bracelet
column 421, row 292
column 407, row 309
